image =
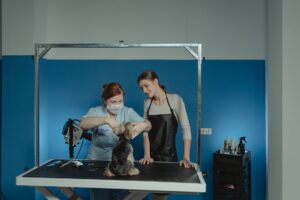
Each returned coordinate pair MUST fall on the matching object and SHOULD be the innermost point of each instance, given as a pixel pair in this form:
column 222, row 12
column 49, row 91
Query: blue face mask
column 115, row 108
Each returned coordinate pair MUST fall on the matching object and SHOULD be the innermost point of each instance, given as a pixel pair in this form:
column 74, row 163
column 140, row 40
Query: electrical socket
column 206, row 131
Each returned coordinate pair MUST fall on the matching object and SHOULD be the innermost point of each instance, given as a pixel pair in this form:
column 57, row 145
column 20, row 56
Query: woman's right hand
column 146, row 160
column 112, row 122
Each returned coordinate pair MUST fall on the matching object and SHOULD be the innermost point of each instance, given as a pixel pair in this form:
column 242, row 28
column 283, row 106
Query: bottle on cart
column 233, row 149
column 241, row 146
column 226, row 145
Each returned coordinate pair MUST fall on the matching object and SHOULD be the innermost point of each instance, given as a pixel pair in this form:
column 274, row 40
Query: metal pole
column 36, row 106
column 199, row 62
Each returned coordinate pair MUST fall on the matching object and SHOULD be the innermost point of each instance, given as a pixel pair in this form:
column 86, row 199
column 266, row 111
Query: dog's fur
column 122, row 163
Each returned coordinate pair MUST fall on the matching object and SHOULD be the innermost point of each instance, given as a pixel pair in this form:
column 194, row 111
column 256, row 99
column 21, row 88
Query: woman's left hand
column 186, row 163
column 146, row 160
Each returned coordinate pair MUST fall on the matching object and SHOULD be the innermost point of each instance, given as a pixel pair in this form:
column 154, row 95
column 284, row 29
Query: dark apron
column 162, row 135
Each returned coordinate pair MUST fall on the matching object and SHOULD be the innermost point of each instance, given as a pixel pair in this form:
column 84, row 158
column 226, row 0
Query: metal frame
column 42, row 49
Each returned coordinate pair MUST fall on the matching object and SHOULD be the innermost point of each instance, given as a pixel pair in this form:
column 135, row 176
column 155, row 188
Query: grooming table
column 165, row 177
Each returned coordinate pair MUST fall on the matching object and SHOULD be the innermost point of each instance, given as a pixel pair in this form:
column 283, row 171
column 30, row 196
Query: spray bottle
column 241, row 147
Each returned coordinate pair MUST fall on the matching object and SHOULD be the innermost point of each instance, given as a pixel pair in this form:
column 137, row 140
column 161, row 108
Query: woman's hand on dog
column 138, row 127
column 112, row 122
column 146, row 160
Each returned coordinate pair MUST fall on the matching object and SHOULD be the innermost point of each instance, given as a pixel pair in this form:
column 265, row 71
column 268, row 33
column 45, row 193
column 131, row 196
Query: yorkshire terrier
column 122, row 163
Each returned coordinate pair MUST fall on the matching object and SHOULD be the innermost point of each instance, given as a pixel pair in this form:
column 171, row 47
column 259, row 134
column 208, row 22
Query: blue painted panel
column 1, row 124
column 233, row 104
column 17, row 124
column 70, row 88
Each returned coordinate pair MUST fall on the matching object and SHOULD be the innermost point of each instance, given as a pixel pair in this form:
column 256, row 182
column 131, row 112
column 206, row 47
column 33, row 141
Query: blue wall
column 70, row 88
column 233, row 104
column 0, row 122
column 17, row 123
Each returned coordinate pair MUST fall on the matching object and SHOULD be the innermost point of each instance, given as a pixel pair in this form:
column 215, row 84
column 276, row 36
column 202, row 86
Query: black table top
column 93, row 169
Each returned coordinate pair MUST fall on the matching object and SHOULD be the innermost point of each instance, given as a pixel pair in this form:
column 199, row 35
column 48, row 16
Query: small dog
column 122, row 163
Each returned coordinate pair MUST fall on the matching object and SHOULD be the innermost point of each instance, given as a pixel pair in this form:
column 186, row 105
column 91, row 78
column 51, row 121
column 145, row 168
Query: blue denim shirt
column 103, row 139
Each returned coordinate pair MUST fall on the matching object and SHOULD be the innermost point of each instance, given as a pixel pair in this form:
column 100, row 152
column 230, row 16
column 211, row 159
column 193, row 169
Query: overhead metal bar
column 118, row 45
column 47, row 47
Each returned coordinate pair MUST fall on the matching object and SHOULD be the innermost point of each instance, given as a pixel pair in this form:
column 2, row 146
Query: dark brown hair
column 150, row 75
column 111, row 89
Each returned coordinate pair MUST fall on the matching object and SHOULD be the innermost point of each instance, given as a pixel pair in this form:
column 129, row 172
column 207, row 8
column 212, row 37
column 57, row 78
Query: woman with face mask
column 108, row 116
column 103, row 119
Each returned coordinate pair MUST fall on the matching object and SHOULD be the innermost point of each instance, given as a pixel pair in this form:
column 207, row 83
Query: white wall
column 284, row 98
column 231, row 29
column 40, row 31
column 17, row 27
column 274, row 65
column 291, row 98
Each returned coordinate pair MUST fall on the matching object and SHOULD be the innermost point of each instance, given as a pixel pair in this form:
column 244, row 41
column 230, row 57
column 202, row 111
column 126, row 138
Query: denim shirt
column 103, row 139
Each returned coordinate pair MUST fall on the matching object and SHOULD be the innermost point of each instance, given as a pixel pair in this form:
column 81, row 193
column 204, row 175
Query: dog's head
column 126, row 129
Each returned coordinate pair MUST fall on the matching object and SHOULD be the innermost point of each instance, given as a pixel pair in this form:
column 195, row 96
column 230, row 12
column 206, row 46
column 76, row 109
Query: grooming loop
column 158, row 177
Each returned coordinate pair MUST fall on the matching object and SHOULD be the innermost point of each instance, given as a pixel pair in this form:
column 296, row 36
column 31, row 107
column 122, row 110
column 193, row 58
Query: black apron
column 163, row 135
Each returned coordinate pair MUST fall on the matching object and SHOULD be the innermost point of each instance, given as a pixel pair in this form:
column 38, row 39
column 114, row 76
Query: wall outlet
column 206, row 131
